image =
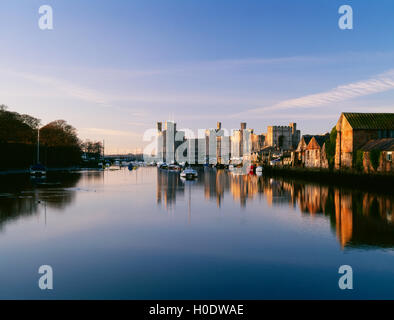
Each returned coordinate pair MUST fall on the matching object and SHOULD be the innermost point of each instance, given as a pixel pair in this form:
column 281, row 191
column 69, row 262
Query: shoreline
column 348, row 179
column 27, row 171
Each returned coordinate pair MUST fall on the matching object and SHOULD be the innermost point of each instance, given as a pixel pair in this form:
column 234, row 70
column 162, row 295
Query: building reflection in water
column 168, row 187
column 359, row 219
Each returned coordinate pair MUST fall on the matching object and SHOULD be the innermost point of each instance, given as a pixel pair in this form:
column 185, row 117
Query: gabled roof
column 320, row 140
column 386, row 144
column 307, row 138
column 370, row 121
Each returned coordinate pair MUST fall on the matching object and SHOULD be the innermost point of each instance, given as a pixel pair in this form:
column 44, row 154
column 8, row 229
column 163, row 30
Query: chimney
column 243, row 125
column 159, row 126
column 218, row 125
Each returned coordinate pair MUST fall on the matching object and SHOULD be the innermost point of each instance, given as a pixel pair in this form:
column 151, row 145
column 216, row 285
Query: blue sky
column 114, row 68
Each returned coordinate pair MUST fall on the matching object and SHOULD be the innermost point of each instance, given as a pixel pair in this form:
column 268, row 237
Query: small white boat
column 189, row 173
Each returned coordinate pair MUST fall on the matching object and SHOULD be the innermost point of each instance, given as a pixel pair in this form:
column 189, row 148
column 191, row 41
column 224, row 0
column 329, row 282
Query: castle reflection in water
column 358, row 218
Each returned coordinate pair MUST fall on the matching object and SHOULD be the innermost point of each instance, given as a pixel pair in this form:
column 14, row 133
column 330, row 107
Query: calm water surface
column 145, row 234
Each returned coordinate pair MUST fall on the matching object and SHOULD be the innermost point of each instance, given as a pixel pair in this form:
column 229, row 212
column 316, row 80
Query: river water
column 146, row 234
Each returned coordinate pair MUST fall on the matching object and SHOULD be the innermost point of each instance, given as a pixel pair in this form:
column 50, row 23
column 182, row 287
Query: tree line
column 59, row 142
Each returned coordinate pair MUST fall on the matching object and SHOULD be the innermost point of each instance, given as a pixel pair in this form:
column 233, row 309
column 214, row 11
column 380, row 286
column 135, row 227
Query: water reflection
column 21, row 196
column 359, row 219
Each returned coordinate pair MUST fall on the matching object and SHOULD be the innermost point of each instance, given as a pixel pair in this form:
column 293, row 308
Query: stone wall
column 315, row 156
column 287, row 136
column 385, row 165
column 344, row 145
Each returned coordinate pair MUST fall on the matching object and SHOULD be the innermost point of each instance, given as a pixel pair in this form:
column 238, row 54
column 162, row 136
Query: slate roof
column 307, row 138
column 321, row 139
column 370, row 121
column 386, row 144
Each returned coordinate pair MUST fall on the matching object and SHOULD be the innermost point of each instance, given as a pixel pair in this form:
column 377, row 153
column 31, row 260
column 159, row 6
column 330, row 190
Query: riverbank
column 379, row 182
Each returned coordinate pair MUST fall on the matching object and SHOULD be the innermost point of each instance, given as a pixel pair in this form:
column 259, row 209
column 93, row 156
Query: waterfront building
column 225, row 150
column 243, row 142
column 169, row 145
column 354, row 130
column 211, row 146
column 311, row 152
column 168, row 140
column 283, row 137
column 159, row 143
column 384, row 148
column 250, row 144
column 299, row 153
column 196, row 151
column 315, row 152
column 261, row 140
column 236, row 142
column 217, row 145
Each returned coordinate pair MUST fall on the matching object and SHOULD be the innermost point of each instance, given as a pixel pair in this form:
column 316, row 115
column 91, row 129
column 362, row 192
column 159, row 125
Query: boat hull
column 35, row 173
column 189, row 176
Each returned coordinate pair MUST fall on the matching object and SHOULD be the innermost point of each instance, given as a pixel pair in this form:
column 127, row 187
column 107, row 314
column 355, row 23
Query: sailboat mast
column 38, row 145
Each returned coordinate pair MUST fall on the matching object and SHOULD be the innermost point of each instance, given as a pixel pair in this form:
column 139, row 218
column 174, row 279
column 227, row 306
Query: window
column 385, row 133
column 389, row 156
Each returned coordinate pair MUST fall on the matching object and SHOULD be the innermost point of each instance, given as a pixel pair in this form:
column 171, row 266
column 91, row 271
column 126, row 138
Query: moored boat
column 38, row 170
column 189, row 173
column 163, row 166
column 174, row 167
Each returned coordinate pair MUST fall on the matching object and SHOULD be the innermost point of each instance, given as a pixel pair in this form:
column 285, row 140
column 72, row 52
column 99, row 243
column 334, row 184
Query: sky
column 112, row 69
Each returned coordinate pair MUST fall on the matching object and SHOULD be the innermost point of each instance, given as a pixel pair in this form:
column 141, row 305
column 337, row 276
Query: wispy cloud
column 380, row 83
column 66, row 88
column 69, row 89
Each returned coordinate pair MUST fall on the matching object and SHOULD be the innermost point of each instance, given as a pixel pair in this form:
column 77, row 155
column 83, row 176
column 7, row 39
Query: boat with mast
column 38, row 170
